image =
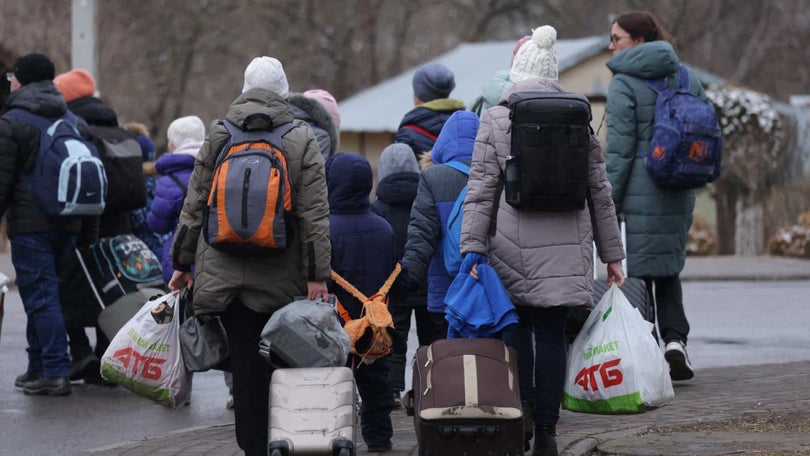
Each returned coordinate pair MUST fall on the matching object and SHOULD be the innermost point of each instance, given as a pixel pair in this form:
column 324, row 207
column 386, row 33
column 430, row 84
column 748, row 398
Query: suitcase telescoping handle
column 468, row 432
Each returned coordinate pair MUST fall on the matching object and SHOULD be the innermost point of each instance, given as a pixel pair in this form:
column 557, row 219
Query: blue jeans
column 36, row 258
column 546, row 360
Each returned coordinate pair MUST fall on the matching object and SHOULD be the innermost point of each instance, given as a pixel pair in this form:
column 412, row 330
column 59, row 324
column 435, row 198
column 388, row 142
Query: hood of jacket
column 188, row 147
column 495, row 86
column 348, row 180
column 398, row 189
column 457, row 138
column 41, row 98
column 171, row 163
column 259, row 109
column 652, row 60
column 313, row 112
column 94, row 111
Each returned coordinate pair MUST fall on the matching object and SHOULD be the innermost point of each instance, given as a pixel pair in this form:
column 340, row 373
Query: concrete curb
column 587, row 445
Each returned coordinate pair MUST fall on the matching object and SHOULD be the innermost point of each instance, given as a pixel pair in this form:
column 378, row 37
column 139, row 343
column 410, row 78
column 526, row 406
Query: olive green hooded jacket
column 262, row 284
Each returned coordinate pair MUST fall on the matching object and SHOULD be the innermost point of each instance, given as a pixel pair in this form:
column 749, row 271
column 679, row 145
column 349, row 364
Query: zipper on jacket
column 245, row 186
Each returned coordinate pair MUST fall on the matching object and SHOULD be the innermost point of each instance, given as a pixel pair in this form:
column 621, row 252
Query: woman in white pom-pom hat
column 543, row 258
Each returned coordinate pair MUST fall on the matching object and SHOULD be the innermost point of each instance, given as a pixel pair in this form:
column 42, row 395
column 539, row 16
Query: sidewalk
column 714, row 394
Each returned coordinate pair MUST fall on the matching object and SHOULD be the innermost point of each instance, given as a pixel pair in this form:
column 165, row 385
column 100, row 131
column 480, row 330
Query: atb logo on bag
column 609, row 372
column 249, row 208
column 144, row 366
column 686, row 147
column 68, row 177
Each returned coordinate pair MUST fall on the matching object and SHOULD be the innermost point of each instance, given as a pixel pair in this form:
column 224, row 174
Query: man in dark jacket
column 38, row 243
column 77, row 87
column 432, row 84
column 363, row 253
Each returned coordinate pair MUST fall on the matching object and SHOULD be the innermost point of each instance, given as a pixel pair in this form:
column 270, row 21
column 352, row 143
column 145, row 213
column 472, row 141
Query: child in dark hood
column 398, row 180
column 364, row 253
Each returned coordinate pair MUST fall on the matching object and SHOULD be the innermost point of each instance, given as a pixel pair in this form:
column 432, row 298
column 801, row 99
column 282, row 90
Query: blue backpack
column 452, row 232
column 68, row 177
column 685, row 151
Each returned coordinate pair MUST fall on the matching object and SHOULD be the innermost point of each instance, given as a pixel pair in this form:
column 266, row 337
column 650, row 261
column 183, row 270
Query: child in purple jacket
column 186, row 136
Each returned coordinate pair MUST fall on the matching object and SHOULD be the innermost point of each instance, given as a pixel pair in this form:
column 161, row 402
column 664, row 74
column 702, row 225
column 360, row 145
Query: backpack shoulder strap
column 30, row 118
column 683, row 77
column 458, row 166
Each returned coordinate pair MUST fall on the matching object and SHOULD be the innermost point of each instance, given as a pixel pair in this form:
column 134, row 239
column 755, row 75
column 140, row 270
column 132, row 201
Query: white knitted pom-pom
column 545, row 36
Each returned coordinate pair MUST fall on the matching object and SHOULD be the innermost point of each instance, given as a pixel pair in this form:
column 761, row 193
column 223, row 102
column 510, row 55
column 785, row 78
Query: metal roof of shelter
column 380, row 108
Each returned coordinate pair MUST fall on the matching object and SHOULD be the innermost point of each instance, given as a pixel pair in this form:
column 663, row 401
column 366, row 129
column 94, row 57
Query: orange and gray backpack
column 249, row 210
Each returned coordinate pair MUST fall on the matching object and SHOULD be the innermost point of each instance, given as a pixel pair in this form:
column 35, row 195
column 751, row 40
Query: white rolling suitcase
column 313, row 411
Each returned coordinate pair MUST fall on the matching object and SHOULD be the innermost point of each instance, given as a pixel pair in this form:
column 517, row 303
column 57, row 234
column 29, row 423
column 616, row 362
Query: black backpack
column 548, row 166
column 123, row 161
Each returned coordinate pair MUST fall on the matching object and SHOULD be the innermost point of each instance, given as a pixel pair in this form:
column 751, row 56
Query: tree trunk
column 726, row 217
column 749, row 237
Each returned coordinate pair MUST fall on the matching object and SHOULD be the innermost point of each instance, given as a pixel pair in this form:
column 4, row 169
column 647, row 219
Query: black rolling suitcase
column 465, row 399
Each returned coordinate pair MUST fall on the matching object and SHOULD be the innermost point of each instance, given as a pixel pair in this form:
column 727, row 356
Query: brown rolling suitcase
column 466, row 399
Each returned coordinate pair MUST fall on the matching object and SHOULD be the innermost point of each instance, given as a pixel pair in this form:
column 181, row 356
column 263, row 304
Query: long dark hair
column 642, row 24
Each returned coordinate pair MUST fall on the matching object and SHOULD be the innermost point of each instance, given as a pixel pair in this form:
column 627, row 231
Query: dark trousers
column 251, row 377
column 36, row 257
column 79, row 343
column 375, row 391
column 667, row 294
column 544, row 364
column 430, row 327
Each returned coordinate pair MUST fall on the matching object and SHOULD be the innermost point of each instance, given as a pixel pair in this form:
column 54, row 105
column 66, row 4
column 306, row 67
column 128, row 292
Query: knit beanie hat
column 536, row 57
column 432, row 81
column 266, row 73
column 517, row 48
column 184, row 129
column 327, row 100
column 75, row 84
column 33, row 68
column 397, row 158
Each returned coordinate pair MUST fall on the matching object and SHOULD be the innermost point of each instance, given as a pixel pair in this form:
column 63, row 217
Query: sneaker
column 679, row 366
column 48, row 386
column 26, row 377
column 397, row 400
column 380, row 447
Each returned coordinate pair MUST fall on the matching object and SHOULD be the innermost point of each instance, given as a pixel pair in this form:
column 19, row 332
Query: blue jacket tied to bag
column 477, row 308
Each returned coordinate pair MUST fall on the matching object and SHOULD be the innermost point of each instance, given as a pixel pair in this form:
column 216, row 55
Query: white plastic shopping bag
column 144, row 356
column 615, row 364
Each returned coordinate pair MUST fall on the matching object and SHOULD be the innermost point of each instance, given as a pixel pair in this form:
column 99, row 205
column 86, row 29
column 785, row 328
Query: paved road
column 733, row 323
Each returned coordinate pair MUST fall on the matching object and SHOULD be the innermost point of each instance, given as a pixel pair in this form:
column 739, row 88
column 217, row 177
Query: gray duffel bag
column 305, row 333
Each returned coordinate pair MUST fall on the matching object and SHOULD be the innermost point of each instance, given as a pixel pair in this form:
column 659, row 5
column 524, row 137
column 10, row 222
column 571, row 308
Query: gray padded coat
column 544, row 259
